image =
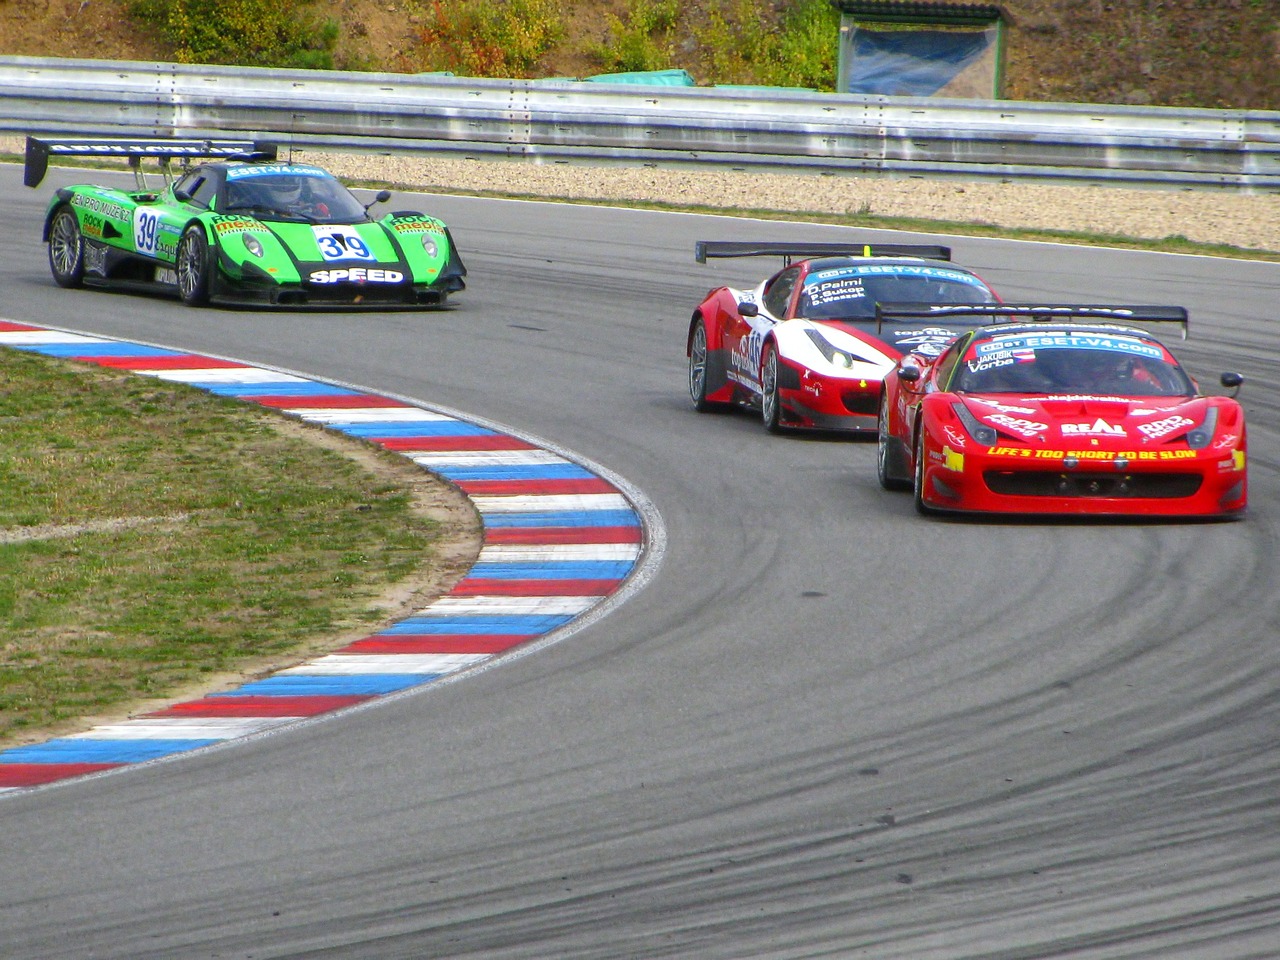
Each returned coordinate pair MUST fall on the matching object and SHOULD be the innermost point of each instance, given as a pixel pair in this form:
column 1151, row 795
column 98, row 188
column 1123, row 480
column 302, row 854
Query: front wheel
column 66, row 249
column 889, row 466
column 193, row 267
column 698, row 369
column 770, row 402
column 922, row 508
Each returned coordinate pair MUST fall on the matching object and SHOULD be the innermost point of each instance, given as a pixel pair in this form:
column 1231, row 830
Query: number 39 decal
column 339, row 242
column 145, row 228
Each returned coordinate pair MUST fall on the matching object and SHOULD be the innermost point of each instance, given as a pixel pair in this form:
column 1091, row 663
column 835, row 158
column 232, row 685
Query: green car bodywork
column 243, row 229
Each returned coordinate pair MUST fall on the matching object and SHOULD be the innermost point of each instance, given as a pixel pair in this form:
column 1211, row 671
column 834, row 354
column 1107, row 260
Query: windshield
column 294, row 192
column 851, row 293
column 1067, row 363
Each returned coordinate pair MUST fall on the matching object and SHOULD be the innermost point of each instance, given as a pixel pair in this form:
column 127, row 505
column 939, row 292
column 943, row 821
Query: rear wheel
column 193, row 267
column 770, row 403
column 889, row 466
column 66, row 249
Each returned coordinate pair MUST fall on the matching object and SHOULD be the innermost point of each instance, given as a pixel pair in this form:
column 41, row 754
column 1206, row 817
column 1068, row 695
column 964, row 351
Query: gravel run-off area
column 1249, row 220
column 1205, row 216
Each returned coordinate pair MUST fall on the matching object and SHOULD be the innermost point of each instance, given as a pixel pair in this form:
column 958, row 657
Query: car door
column 746, row 334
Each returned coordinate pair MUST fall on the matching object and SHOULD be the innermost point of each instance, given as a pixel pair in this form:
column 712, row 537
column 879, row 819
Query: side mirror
column 382, row 196
column 909, row 372
column 1232, row 381
column 748, row 309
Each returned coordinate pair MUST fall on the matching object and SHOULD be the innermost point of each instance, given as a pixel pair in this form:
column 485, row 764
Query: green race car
column 240, row 227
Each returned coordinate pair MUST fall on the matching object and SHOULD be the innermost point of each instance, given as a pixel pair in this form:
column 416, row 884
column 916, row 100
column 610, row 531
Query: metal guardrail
column 571, row 121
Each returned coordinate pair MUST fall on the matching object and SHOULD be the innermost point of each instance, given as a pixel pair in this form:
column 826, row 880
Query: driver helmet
column 286, row 193
column 1083, row 368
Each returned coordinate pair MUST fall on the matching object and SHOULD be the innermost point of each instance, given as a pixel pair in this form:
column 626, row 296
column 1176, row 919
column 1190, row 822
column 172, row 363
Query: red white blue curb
column 563, row 542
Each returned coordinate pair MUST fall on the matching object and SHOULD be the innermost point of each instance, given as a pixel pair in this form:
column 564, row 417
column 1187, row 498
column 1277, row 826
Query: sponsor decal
column 419, row 223
column 356, row 275
column 276, row 169
column 1099, row 428
column 1074, row 341
column 1156, row 429
column 952, row 459
column 91, row 225
column 1089, row 396
column 924, row 335
column 223, row 224
column 166, row 275
column 1227, row 440
column 745, row 355
column 893, row 270
column 147, row 149
column 107, row 208
column 1107, row 455
column 95, row 260
column 1019, row 425
column 1003, row 407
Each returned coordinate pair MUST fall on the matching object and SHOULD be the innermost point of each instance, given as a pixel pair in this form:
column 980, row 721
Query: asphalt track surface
column 825, row 728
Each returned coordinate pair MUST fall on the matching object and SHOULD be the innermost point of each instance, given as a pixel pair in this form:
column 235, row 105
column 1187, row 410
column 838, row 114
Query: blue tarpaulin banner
column 916, row 63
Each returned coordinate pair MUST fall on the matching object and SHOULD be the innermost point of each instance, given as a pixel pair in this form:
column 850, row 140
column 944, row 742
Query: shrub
column 643, row 42
column 481, row 38
column 252, row 33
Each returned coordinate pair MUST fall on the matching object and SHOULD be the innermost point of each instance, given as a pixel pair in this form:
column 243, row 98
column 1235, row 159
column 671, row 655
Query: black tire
column 770, row 402
column 890, row 468
column 922, row 508
column 66, row 249
column 192, row 267
column 698, row 369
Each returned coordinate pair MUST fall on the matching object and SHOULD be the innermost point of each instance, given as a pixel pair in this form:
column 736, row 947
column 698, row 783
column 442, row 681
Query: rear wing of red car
column 39, row 150
column 1005, row 312
column 704, row 250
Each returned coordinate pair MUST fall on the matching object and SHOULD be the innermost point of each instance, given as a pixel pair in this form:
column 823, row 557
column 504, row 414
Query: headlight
column 1199, row 437
column 834, row 355
column 252, row 244
column 429, row 244
column 980, row 432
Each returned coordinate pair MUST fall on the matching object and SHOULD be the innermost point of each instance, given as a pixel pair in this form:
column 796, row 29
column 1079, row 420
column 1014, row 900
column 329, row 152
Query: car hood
column 895, row 340
column 1096, row 421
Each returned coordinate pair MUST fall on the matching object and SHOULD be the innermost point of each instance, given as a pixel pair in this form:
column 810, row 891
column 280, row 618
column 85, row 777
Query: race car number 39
column 340, row 242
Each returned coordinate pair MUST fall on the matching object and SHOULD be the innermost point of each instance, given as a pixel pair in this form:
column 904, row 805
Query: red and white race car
column 1071, row 410
column 804, row 347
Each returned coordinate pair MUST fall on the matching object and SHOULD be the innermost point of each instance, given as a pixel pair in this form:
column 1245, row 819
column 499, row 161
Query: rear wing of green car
column 1005, row 312
column 704, row 250
column 164, row 152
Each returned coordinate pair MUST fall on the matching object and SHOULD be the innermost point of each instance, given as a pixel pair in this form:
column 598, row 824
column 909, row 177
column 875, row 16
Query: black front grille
column 1046, row 483
column 862, row 403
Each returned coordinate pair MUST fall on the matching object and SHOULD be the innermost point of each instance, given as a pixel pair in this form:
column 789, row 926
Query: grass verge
column 156, row 539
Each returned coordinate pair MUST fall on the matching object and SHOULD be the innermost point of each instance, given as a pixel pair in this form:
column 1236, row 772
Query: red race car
column 1067, row 410
column 804, row 347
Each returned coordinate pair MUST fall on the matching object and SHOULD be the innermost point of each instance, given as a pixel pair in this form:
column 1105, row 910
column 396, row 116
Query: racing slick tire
column 770, row 402
column 192, row 266
column 922, row 508
column 890, row 469
column 698, row 370
column 66, row 249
